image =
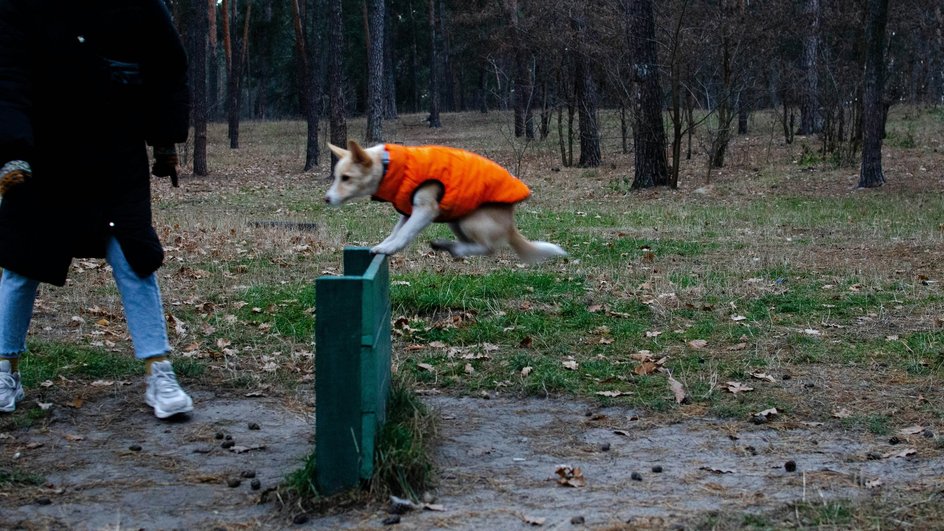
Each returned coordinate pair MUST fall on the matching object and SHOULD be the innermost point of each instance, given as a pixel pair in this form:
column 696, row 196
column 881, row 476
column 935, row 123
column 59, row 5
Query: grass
column 13, row 477
column 778, row 264
column 403, row 460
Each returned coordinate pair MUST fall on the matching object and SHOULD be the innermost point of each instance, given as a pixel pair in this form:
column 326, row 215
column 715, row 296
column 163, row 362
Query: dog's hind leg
column 479, row 233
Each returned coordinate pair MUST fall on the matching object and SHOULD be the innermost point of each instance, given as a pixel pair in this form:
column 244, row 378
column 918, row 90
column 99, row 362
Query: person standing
column 85, row 87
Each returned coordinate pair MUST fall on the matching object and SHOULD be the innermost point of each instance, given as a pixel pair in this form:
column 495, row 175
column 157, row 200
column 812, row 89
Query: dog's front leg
column 396, row 229
column 425, row 211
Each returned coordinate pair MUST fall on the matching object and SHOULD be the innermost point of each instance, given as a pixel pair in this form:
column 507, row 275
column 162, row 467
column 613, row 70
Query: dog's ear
column 340, row 153
column 360, row 156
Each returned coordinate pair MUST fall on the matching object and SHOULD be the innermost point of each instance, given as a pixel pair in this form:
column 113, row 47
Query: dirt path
column 497, row 461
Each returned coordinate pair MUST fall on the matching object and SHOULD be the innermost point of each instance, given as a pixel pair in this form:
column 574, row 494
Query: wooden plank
column 338, row 424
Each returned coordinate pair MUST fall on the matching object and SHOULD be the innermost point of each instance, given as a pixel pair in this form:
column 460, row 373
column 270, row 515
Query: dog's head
column 356, row 174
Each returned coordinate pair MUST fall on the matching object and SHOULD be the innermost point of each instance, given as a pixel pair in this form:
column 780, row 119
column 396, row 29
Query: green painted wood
column 352, row 369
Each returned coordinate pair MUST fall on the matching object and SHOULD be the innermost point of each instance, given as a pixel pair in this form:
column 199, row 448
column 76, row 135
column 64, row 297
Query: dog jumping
column 428, row 184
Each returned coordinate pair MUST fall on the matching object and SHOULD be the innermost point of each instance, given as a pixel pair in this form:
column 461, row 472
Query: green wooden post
column 352, row 369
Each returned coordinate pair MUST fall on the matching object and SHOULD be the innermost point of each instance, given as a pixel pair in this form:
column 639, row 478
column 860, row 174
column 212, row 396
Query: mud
column 497, row 460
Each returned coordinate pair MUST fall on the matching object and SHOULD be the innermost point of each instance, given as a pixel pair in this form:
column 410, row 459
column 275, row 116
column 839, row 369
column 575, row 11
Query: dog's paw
column 441, row 245
column 385, row 248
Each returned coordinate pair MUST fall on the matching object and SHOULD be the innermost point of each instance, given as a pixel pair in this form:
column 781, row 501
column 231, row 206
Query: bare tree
column 873, row 112
column 433, row 68
column 236, row 56
column 810, row 120
column 390, row 76
column 376, row 13
column 585, row 96
column 338, row 123
column 309, row 79
column 199, row 24
column 649, row 138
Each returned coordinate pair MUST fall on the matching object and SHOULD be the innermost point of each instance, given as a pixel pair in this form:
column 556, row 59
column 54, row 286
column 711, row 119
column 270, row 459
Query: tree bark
column 238, row 54
column 310, row 86
column 649, row 140
column 434, row 87
column 390, row 75
column 200, row 23
column 338, row 122
column 810, row 117
column 585, row 95
column 873, row 123
column 376, row 14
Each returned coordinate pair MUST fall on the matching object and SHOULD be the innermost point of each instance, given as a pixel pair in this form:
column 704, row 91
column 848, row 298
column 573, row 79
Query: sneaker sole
column 10, row 408
column 163, row 414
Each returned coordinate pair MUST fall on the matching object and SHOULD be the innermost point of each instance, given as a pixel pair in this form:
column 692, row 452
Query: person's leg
column 17, row 295
column 144, row 311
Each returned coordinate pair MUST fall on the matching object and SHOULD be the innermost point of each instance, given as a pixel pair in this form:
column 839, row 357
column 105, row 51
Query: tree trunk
column 390, row 75
column 810, row 117
column 375, row 71
column 585, row 95
column 308, row 79
column 448, row 82
column 200, row 22
column 434, row 88
column 338, row 123
column 649, row 137
column 483, row 90
column 871, row 174
column 234, row 78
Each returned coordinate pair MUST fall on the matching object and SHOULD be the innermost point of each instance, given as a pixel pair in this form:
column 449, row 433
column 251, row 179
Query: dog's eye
column 345, row 178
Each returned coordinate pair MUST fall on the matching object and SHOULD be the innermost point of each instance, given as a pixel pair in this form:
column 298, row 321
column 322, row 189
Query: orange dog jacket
column 468, row 180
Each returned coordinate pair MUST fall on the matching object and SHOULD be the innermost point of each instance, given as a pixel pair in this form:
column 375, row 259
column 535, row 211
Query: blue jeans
column 140, row 297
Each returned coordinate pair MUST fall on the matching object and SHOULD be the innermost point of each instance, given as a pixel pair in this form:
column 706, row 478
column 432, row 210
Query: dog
column 427, row 184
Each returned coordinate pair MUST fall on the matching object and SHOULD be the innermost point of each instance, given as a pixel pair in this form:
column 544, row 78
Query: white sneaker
column 164, row 393
column 11, row 391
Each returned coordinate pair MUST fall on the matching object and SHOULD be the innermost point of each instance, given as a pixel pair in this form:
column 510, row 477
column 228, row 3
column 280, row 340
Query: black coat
column 82, row 121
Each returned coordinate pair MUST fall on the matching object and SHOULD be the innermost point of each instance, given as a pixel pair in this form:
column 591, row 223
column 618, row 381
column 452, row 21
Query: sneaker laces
column 165, row 383
column 8, row 380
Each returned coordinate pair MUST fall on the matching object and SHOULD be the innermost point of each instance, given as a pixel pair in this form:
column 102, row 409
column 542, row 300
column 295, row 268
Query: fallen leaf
column 534, row 520
column 438, row 344
column 912, row 430
column 570, row 365
column 768, row 413
column 698, row 343
column 873, row 483
column 737, row 387
column 44, row 405
column 47, row 383
column 426, row 367
column 570, row 476
column 842, row 413
column 812, row 332
column 642, row 355
column 738, row 318
column 763, row 376
column 526, row 371
column 75, row 403
column 901, row 453
column 646, row 368
column 739, row 346
column 469, row 369
column 70, row 437
column 653, row 333
column 436, row 507
column 606, row 340
column 624, row 433
column 678, row 390
column 33, row 445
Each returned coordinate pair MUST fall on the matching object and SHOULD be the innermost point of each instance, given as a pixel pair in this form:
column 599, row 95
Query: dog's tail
column 533, row 252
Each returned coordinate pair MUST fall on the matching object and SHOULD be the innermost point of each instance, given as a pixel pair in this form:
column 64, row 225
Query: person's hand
column 12, row 174
column 165, row 163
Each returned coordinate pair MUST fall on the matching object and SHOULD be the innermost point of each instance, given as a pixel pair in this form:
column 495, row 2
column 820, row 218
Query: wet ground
column 110, row 465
